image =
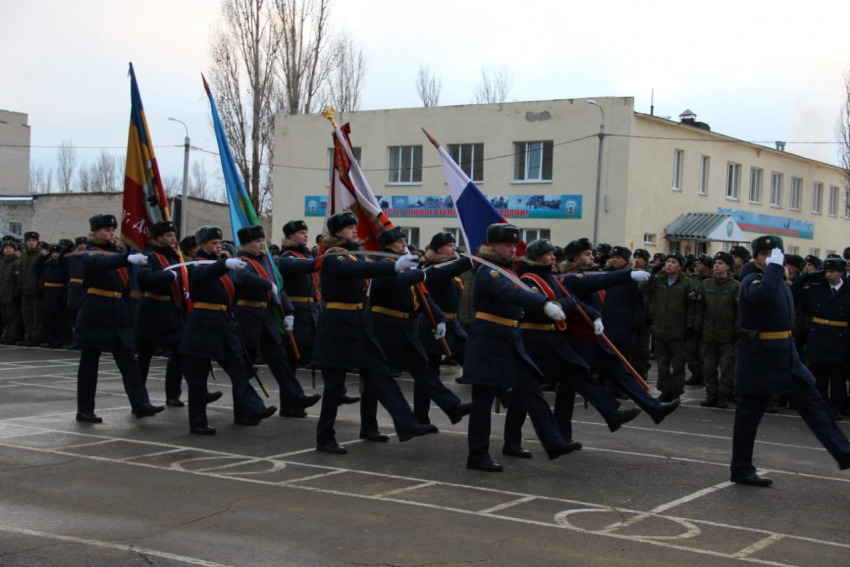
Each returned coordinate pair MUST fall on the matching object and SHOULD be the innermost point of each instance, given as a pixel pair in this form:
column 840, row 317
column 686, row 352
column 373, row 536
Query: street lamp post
column 598, row 174
column 184, row 201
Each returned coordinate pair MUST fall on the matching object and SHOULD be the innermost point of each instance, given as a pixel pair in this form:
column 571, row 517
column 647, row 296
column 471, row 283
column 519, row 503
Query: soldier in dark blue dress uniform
column 547, row 345
column 103, row 323
column 345, row 338
column 768, row 364
column 161, row 311
column 826, row 297
column 211, row 334
column 495, row 358
column 76, row 289
column 299, row 268
column 396, row 304
column 255, row 295
column 55, row 272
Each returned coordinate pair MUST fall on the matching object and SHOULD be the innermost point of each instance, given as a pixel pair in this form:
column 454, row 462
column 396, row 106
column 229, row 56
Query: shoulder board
column 754, row 282
column 494, row 273
column 579, row 275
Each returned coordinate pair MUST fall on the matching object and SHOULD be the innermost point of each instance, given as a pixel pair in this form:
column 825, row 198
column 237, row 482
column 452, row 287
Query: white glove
column 553, row 311
column 776, row 257
column 640, row 276
column 173, row 273
column 137, row 259
column 234, row 264
column 289, row 322
column 274, row 288
column 406, row 262
column 598, row 328
column 440, row 331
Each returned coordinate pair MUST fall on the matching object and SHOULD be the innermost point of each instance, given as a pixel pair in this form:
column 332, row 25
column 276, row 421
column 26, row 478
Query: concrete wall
column 303, row 141
column 14, row 161
column 65, row 215
column 653, row 203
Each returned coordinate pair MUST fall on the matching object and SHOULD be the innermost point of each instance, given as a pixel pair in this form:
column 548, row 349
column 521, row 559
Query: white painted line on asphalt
column 405, row 489
column 156, row 454
column 92, row 444
column 117, row 546
column 506, row 505
column 758, row 546
column 312, row 477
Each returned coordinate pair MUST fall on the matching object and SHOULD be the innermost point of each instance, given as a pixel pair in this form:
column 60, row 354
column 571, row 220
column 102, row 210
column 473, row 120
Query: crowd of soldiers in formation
column 410, row 312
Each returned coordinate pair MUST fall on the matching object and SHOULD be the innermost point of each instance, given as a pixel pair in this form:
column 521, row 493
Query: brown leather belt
column 48, row 284
column 75, row 280
column 104, row 293
column 819, row 321
column 390, row 312
column 211, row 306
column 344, row 306
column 136, row 294
column 150, row 295
column 450, row 315
column 246, row 303
column 775, row 335
column 496, row 319
column 539, row 326
column 301, row 299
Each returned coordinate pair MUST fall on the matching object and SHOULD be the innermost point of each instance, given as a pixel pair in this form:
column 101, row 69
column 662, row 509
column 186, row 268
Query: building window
column 470, row 158
column 458, row 234
column 814, row 252
column 529, row 234
column 833, row 201
column 847, row 203
column 755, row 185
column 411, row 235
column 533, row 161
column 733, row 180
column 678, row 163
column 355, row 151
column 405, row 165
column 704, row 164
column 775, row 189
column 649, row 239
column 817, row 197
column 793, row 250
column 831, row 253
column 16, row 227
column 796, row 193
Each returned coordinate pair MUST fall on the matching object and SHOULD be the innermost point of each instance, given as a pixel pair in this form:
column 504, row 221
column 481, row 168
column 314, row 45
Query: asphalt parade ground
column 145, row 492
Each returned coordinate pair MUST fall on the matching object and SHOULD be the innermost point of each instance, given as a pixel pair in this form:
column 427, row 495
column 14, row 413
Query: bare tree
column 346, row 79
column 495, row 85
column 65, row 172
column 41, row 179
column 173, row 185
column 84, row 184
column 104, row 173
column 428, row 87
column 842, row 133
column 199, row 186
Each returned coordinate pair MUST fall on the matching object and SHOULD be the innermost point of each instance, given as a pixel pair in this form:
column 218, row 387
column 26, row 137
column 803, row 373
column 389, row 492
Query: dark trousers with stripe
column 290, row 389
column 87, row 378
column 173, row 369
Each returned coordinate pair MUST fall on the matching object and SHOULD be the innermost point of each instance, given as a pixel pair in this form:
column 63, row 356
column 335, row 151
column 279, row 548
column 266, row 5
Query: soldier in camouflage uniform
column 719, row 331
column 703, row 270
column 672, row 299
column 640, row 343
column 31, row 288
column 10, row 298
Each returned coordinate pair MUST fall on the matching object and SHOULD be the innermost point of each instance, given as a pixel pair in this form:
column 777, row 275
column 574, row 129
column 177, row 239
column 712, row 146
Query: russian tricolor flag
column 474, row 211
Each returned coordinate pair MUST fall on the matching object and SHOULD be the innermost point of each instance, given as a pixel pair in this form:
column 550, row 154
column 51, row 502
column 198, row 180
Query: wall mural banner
column 441, row 206
column 769, row 224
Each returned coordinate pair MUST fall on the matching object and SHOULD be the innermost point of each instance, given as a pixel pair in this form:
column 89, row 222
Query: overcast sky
column 753, row 70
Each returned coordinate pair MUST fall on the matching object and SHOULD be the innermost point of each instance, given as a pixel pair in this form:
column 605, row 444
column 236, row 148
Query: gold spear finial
column 430, row 137
column 328, row 112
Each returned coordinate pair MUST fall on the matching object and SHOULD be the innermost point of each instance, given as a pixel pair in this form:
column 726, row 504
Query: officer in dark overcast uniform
column 103, row 323
column 55, row 274
column 768, row 364
column 30, row 287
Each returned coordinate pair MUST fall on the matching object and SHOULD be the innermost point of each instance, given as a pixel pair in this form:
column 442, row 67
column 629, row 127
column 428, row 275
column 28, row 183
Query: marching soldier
column 211, row 334
column 103, row 323
column 718, row 331
column 161, row 312
column 345, row 338
column 55, row 274
column 496, row 358
column 547, row 345
column 31, row 288
column 672, row 300
column 768, row 364
column 10, row 298
column 189, row 246
column 396, row 302
column 255, row 300
column 827, row 300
